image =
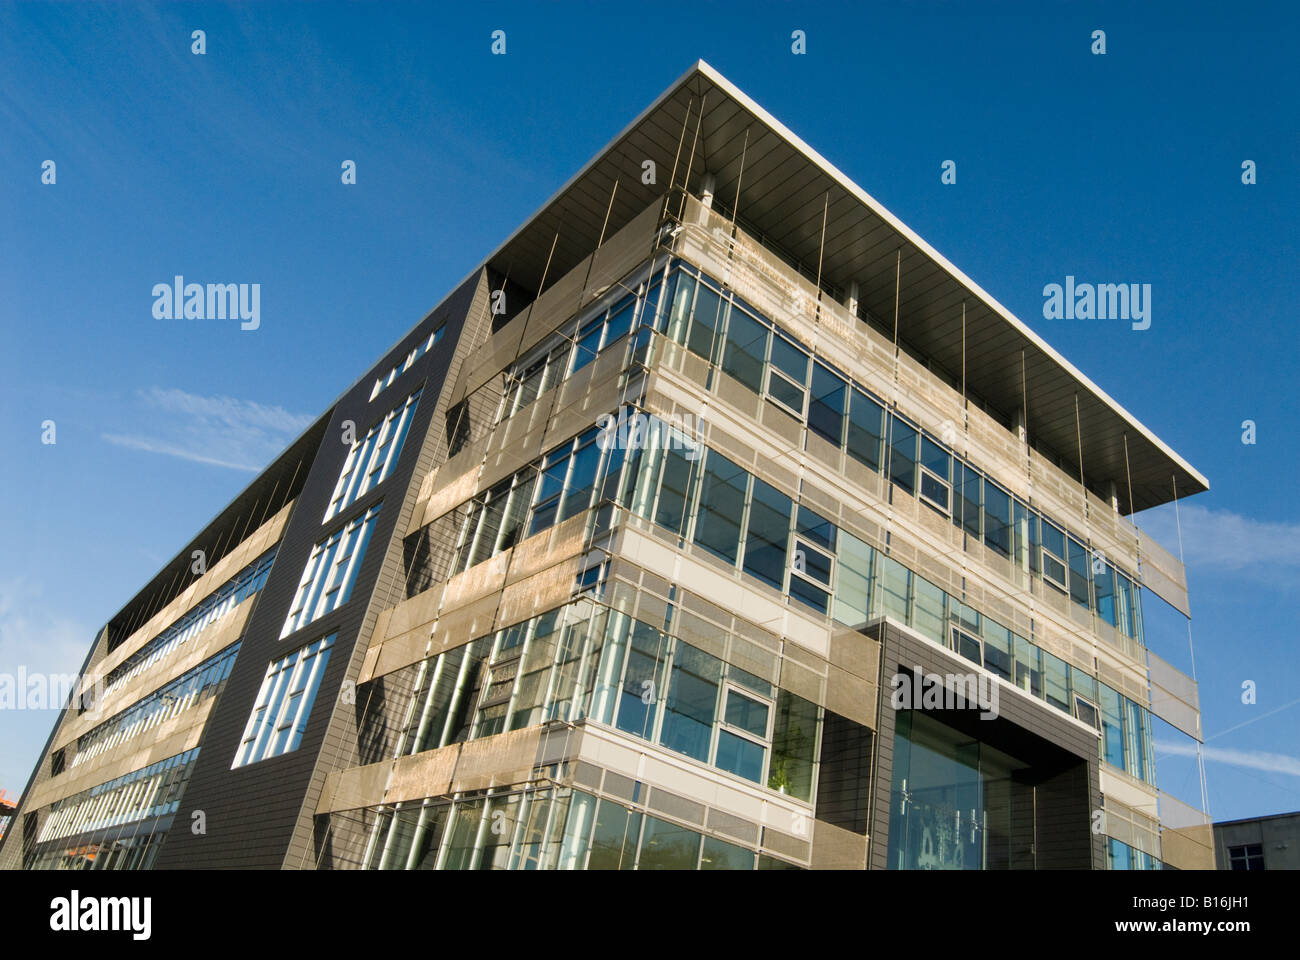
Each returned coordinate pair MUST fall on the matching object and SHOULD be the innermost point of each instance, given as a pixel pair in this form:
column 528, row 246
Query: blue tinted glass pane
column 826, row 407
column 673, row 489
column 781, row 389
column 640, row 693
column 934, row 490
column 746, row 347
column 746, row 713
column 805, row 592
column 816, row 528
column 997, row 519
column 722, row 504
column 814, row 563
column 902, row 464
column 790, row 360
column 767, row 534
column 865, row 430
column 704, row 323
column 666, row 846
column 740, row 756
column 620, row 320
column 692, row 702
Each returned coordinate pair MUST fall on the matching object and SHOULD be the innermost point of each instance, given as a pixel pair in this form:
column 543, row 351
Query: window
column 587, row 344
column 902, row 457
column 1247, row 856
column 721, row 507
column 284, row 704
column 812, row 575
column 1104, row 587
column 826, row 409
column 1112, row 728
column 794, row 746
column 968, row 646
column 866, row 430
column 1056, row 685
column 423, row 347
column 330, row 573
column 1054, row 556
column 743, row 735
column 372, row 458
column 997, row 649
column 787, row 377
column 1029, row 667
column 745, row 349
column 1080, row 561
column 969, row 515
column 692, row 702
column 666, row 846
column 936, row 473
column 767, row 536
column 681, row 294
column 705, row 322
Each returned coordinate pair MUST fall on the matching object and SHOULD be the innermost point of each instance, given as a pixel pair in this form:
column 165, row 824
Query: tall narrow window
column 721, row 507
column 936, row 476
column 1053, row 555
column 705, row 322
column 826, row 408
column 372, row 458
column 997, row 519
column 787, row 378
column 902, row 462
column 866, row 430
column 767, row 536
column 745, row 349
column 330, row 573
column 284, row 703
column 1080, row 562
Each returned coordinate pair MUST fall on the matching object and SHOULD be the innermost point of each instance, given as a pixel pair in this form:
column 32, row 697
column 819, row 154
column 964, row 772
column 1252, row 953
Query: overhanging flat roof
column 700, row 123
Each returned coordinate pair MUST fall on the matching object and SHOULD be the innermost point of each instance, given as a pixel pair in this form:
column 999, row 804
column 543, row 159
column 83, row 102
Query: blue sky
column 225, row 167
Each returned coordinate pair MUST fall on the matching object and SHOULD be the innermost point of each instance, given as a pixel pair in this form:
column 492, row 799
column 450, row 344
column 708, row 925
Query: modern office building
column 714, row 521
column 1258, row 843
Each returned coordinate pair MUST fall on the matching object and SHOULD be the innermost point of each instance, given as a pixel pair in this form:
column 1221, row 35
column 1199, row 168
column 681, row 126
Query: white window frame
column 330, row 572
column 806, row 542
column 921, row 495
column 773, row 370
column 1064, row 583
column 728, row 685
column 289, row 689
column 1095, row 708
column 371, row 460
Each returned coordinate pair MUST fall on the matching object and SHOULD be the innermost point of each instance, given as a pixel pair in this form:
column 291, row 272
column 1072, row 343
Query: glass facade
column 213, row 607
column 150, row 792
column 190, row 689
column 707, row 500
column 955, row 802
column 545, row 828
column 580, row 661
column 1120, row 856
column 693, row 309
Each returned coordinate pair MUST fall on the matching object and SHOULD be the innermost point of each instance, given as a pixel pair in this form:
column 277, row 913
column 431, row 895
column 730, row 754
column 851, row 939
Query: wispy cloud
column 1223, row 540
column 221, row 431
column 1251, row 759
